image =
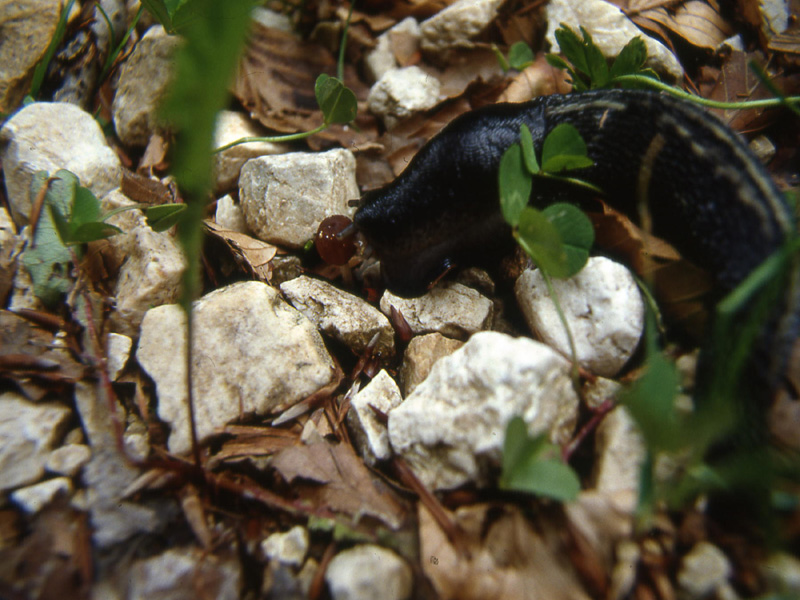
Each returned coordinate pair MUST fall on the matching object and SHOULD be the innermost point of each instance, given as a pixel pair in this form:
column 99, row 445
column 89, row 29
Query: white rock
column 254, row 354
column 599, row 391
column 143, row 83
column 68, row 459
column 402, row 92
column 342, row 316
column 34, row 498
column 108, row 474
column 28, row 433
column 451, row 309
column 284, row 197
column 782, row 573
column 703, row 570
column 26, row 29
column 457, row 24
column 50, row 136
column 272, row 19
column 602, row 305
column 150, row 277
column 229, row 215
column 369, row 433
column 118, row 351
column 451, row 428
column 152, row 270
column 382, row 59
column 610, row 29
column 185, row 574
column 775, row 15
column 366, row 572
column 421, row 354
column 620, row 452
column 227, row 164
column 289, row 547
column 623, row 576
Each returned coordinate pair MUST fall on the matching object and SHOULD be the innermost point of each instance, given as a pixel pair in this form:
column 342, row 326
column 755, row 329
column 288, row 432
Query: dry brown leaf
column 509, row 557
column 695, row 21
column 255, row 255
column 275, row 82
column 250, row 441
column 155, row 155
column 466, row 67
column 787, row 42
column 28, row 351
column 333, row 476
column 539, row 79
column 145, row 190
column 737, row 83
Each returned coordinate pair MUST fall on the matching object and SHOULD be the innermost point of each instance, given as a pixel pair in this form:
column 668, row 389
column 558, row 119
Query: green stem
column 115, row 53
column 654, row 83
column 340, row 62
column 554, row 297
column 274, row 139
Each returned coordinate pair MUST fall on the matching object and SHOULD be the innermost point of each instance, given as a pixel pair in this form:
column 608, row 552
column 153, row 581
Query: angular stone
column 185, row 574
column 68, row 459
column 288, row 548
column 50, row 136
column 286, row 196
column 602, row 305
column 421, row 354
column 26, row 28
column 382, row 58
column 399, row 93
column 452, row 309
column 254, row 354
column 342, row 316
column 28, row 433
column 143, row 82
column 366, row 572
column 456, row 25
column 152, row 266
column 369, row 433
column 35, row 497
column 109, row 473
column 620, row 452
column 451, row 429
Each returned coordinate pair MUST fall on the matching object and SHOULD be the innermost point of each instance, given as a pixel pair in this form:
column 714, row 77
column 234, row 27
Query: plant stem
column 273, row 139
column 654, row 83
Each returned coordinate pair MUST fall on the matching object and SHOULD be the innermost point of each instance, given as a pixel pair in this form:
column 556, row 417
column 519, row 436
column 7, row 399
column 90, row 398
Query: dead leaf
column 249, row 442
column 694, row 21
column 253, row 254
column 787, row 42
column 145, row 190
column 333, row 476
column 275, row 82
column 155, row 155
column 27, row 351
column 539, row 79
column 510, row 556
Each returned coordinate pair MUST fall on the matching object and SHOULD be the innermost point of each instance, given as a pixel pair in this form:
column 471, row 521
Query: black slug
column 707, row 194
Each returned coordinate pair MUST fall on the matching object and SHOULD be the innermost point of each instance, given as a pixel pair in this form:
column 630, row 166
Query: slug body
column 706, row 192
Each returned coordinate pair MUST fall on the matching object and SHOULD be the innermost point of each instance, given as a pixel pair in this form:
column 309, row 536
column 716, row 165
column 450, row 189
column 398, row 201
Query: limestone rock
column 255, row 354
